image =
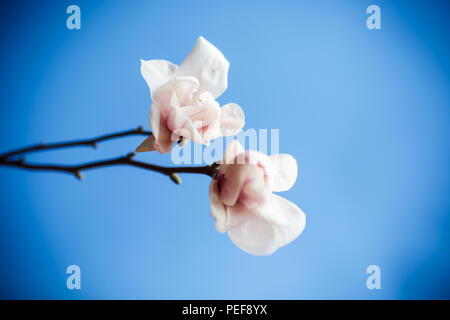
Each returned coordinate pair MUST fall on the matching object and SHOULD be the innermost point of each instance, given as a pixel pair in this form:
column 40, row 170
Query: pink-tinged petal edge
column 266, row 228
column 160, row 139
column 183, row 87
column 237, row 183
column 182, row 126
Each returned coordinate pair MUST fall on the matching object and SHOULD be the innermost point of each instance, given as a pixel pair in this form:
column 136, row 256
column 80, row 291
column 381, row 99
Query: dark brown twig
column 77, row 143
column 75, row 170
column 7, row 159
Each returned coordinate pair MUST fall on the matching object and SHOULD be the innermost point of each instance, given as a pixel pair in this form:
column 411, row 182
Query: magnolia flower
column 258, row 221
column 183, row 97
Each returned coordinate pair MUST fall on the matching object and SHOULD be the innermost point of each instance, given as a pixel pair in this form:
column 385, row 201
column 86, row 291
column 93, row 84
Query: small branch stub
column 78, row 175
column 175, row 178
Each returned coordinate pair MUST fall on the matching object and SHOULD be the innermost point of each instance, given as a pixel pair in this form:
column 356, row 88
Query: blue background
column 365, row 112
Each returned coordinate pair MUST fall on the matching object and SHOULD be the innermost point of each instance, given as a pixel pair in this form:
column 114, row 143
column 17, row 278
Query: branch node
column 130, row 155
column 214, row 167
column 175, row 178
column 78, row 175
column 94, row 144
column 139, row 129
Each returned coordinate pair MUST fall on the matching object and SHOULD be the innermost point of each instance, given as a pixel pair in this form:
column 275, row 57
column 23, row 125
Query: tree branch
column 87, row 142
column 6, row 158
column 75, row 170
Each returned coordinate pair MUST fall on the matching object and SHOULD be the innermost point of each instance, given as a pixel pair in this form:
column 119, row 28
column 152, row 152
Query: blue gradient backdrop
column 366, row 114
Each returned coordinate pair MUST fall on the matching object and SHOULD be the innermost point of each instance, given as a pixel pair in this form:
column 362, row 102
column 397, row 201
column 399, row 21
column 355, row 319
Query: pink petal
column 208, row 65
column 205, row 111
column 181, row 125
column 184, row 88
column 264, row 229
column 161, row 136
column 261, row 160
column 233, row 180
column 255, row 191
column 211, row 132
column 165, row 141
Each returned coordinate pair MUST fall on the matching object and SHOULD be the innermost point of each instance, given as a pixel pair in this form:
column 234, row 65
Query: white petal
column 218, row 210
column 234, row 148
column 155, row 119
column 232, row 119
column 264, row 229
column 284, row 172
column 157, row 73
column 208, row 65
column 174, row 100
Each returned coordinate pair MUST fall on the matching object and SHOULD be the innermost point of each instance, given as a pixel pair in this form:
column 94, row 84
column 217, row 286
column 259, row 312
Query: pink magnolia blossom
column 184, row 96
column 258, row 221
